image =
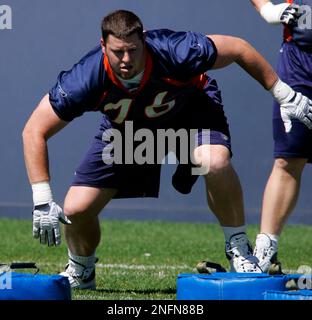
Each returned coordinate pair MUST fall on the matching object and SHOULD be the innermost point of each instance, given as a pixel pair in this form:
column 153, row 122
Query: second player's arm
column 259, row 3
column 282, row 12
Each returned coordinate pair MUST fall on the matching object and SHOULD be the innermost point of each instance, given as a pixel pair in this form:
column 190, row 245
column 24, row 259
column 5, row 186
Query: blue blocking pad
column 228, row 286
column 288, row 295
column 23, row 286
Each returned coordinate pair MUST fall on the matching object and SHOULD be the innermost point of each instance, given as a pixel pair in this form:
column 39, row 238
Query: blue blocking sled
column 238, row 286
column 23, row 286
column 288, row 295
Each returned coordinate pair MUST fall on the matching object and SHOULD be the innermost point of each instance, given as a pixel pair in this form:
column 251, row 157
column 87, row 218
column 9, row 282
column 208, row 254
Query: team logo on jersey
column 61, row 91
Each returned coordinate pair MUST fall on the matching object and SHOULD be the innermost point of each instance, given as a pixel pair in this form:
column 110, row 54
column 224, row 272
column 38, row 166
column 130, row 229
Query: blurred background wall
column 50, row 36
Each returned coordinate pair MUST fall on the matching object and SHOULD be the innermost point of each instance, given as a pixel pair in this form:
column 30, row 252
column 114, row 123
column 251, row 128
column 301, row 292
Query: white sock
column 85, row 261
column 229, row 231
column 273, row 237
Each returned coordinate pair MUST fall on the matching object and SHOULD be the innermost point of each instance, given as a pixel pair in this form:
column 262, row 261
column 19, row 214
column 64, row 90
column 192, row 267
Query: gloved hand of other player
column 299, row 107
column 280, row 13
column 293, row 105
column 46, row 227
column 291, row 14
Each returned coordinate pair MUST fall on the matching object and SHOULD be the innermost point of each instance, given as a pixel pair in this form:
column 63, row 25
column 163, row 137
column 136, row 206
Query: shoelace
column 82, row 272
column 264, row 252
column 239, row 247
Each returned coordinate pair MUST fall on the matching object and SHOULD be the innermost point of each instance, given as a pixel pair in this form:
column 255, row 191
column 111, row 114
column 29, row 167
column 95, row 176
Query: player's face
column 126, row 56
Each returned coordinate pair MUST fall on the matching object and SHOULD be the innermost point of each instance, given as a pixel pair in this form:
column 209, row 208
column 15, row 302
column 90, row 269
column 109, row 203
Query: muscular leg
column 224, row 192
column 279, row 199
column 82, row 206
column 281, row 194
column 225, row 199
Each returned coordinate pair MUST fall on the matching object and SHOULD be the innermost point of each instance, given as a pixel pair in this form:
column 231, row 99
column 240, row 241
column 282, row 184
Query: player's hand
column 291, row 14
column 280, row 13
column 299, row 107
column 46, row 227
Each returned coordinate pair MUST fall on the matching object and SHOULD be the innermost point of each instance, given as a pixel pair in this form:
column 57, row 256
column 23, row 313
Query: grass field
column 141, row 260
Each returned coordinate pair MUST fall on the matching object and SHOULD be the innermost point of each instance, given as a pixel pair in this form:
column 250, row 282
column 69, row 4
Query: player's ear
column 143, row 38
column 103, row 45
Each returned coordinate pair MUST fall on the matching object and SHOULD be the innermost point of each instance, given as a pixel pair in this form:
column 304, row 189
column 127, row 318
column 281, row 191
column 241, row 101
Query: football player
column 293, row 143
column 155, row 80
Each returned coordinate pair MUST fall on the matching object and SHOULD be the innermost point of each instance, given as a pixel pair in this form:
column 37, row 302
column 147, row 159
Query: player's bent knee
column 86, row 202
column 212, row 158
column 72, row 210
column 218, row 164
column 214, row 165
column 79, row 210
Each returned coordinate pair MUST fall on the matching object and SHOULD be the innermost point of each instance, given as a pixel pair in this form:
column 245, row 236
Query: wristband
column 282, row 92
column 42, row 193
column 272, row 13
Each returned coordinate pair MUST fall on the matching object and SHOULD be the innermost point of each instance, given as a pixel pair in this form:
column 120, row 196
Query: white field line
column 160, row 267
column 149, row 267
column 130, row 266
column 141, row 267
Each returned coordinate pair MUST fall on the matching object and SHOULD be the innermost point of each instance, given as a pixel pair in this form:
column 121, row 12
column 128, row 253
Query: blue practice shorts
column 294, row 68
column 135, row 180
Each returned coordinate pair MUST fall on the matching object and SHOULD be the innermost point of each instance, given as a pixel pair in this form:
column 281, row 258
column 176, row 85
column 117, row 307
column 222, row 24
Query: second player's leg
column 280, row 197
column 281, row 194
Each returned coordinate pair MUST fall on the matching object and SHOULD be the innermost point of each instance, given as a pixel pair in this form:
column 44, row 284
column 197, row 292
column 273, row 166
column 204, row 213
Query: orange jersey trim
column 197, row 81
column 115, row 80
column 287, row 29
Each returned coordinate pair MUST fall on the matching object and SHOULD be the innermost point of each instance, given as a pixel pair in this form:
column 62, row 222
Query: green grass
column 141, row 260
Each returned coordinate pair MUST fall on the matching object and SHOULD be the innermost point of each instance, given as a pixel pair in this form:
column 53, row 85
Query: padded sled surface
column 228, row 286
column 288, row 295
column 24, row 286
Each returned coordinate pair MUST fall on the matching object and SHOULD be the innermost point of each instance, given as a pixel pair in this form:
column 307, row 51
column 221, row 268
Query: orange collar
column 115, row 80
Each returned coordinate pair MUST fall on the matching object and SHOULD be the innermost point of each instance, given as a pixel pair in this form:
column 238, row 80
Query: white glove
column 46, row 225
column 280, row 13
column 291, row 14
column 294, row 105
column 46, row 215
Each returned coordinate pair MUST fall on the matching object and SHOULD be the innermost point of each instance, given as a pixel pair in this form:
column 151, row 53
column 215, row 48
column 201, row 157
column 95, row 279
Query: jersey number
column 157, row 109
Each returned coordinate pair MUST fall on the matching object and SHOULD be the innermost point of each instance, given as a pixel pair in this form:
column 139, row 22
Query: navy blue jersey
column 301, row 35
column 174, row 74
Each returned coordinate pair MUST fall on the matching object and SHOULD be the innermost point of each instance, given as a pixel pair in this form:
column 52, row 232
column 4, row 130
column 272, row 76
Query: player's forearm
column 36, row 156
column 42, row 125
column 255, row 65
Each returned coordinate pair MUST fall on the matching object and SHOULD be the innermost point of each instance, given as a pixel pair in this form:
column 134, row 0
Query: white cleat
column 80, row 276
column 239, row 252
column 265, row 251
